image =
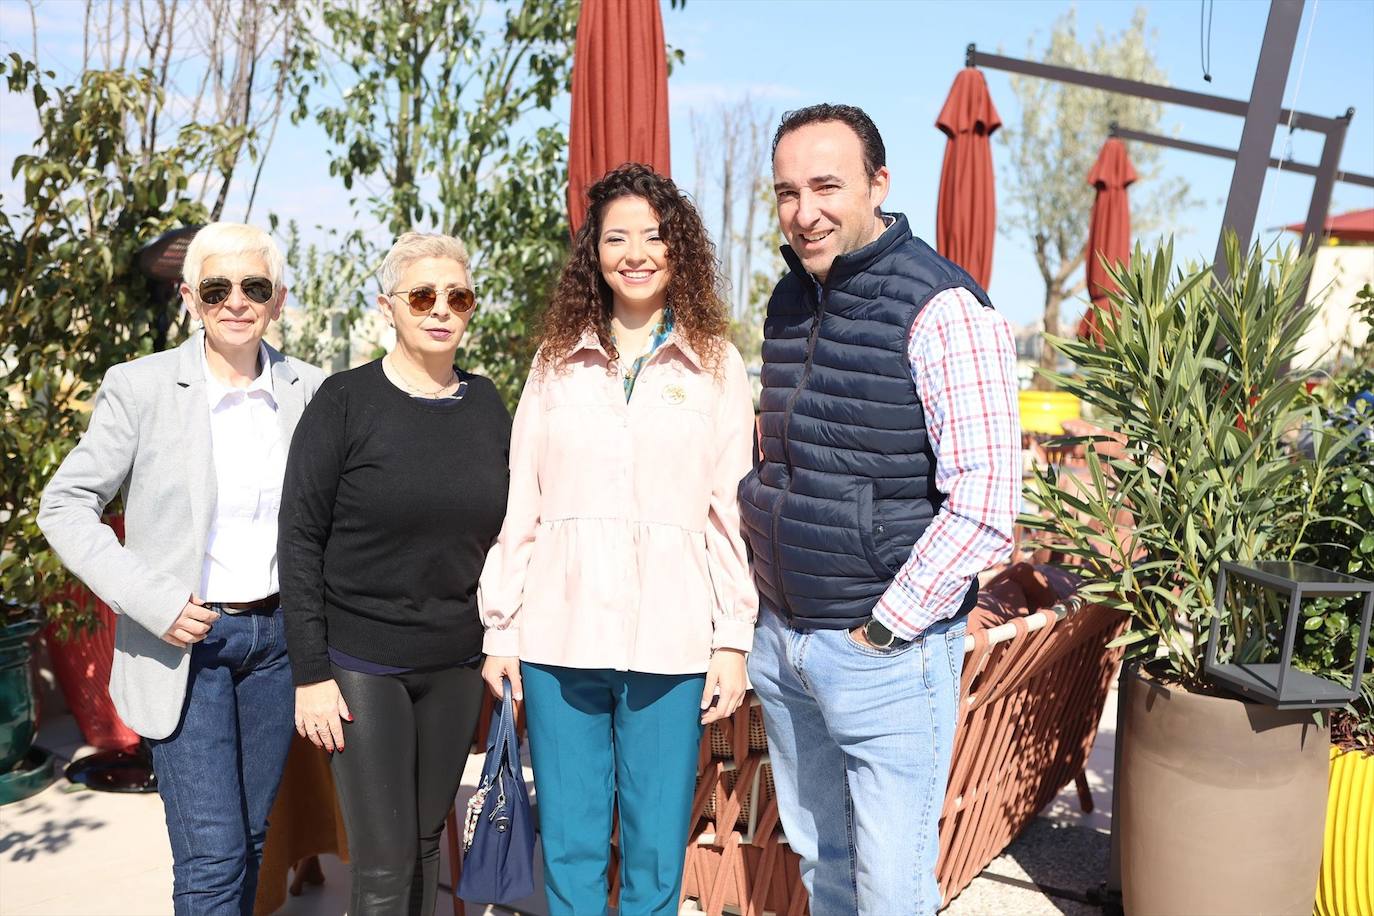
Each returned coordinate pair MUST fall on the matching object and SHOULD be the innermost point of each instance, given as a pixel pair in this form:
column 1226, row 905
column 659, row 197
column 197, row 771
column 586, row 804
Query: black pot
column 18, row 711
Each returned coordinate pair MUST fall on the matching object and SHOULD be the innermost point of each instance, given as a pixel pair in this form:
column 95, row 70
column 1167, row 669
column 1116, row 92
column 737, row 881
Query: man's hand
column 860, row 635
column 320, row 714
column 497, row 667
column 727, row 674
column 192, row 624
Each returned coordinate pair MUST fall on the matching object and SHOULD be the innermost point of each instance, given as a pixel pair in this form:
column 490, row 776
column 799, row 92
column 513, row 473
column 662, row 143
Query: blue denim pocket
column 871, row 652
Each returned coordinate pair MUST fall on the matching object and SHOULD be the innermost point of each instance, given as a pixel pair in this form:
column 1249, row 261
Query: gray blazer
column 149, row 437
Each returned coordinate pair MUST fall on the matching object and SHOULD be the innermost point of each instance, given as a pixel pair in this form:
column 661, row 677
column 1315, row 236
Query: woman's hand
column 725, row 673
column 497, row 667
column 320, row 714
column 192, row 624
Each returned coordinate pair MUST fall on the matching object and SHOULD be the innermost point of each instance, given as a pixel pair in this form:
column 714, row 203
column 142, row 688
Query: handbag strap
column 508, row 742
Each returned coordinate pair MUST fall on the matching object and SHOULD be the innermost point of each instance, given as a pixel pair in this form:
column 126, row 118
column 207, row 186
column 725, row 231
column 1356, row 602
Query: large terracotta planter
column 1346, row 887
column 1222, row 804
column 82, row 666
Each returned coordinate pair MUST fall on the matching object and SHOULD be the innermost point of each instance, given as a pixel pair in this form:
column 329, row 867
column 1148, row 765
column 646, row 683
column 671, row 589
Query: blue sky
column 897, row 59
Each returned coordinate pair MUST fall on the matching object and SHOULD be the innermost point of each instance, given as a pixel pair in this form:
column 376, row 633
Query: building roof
column 1355, row 226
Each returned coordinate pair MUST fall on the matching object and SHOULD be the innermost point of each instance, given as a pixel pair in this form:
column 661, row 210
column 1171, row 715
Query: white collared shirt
column 245, row 443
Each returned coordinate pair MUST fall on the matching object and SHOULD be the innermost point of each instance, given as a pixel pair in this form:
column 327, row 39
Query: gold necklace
column 453, row 377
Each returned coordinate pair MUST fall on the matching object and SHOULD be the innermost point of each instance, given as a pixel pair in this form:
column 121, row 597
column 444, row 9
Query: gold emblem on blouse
column 674, row 394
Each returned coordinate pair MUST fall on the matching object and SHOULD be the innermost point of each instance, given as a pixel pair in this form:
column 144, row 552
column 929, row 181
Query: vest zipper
column 787, row 442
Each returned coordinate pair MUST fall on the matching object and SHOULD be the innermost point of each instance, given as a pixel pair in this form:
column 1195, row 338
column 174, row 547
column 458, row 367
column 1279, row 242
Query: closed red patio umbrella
column 1109, row 233
column 619, row 95
column 966, row 215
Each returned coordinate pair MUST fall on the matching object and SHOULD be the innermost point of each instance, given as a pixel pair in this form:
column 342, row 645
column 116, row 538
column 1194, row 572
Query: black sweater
column 389, row 506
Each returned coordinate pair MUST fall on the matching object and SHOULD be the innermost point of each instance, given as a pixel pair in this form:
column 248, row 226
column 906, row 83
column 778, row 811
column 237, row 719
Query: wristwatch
column 880, row 636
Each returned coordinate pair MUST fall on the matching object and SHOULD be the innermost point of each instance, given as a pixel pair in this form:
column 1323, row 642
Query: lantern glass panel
column 1253, row 627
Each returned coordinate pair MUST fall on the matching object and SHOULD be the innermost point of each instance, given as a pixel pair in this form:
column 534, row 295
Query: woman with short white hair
column 395, row 489
column 196, row 439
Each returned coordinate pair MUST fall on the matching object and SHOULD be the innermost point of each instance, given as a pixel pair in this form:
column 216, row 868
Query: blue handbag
column 498, row 832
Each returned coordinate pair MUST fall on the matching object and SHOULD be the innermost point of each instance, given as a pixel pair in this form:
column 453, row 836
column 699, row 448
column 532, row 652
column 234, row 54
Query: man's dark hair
column 853, row 117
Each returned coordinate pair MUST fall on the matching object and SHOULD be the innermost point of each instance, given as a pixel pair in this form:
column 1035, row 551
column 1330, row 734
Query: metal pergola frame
column 1262, row 112
column 1221, row 152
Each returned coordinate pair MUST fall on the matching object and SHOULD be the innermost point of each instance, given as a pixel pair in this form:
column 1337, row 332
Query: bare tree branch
column 274, row 119
column 33, row 22
column 109, row 34
column 128, row 31
column 245, row 71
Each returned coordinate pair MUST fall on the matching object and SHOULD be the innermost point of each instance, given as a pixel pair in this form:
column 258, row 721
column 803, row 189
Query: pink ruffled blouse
column 621, row 545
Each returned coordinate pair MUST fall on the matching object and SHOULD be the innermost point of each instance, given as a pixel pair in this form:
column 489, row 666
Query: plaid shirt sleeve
column 963, row 361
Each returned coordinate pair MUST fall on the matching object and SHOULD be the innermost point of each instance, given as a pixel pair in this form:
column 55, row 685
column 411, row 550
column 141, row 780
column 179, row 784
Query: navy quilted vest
column 847, row 479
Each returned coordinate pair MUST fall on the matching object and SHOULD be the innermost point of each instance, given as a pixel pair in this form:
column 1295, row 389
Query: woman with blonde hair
column 395, row 488
column 195, row 439
column 618, row 598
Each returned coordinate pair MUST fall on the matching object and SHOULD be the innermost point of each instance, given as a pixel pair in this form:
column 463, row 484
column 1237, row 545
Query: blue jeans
column 860, row 740
column 218, row 772
column 598, row 736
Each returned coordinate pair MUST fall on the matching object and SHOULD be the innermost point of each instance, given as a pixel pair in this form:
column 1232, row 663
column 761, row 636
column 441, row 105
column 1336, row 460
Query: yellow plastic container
column 1045, row 411
column 1346, row 886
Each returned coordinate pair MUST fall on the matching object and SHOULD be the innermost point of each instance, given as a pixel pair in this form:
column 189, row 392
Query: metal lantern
column 1278, row 683
column 160, row 261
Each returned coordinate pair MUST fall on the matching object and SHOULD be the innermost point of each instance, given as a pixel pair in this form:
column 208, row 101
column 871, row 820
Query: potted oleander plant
column 1221, row 800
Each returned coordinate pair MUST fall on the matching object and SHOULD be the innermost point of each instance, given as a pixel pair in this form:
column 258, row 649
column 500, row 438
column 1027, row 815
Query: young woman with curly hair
column 618, row 598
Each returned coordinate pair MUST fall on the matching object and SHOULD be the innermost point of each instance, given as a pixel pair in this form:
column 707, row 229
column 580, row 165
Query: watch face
column 878, row 634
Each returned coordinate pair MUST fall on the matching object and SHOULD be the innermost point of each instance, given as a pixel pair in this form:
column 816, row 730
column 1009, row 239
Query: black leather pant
column 397, row 776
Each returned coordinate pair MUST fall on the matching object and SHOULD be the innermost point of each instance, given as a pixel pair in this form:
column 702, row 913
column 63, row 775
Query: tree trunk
column 727, row 208
column 1049, row 357
column 747, row 249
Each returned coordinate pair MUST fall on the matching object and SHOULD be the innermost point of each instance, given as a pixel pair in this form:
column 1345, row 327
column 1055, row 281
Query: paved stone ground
column 71, row 852
column 68, row 851
column 1047, row 871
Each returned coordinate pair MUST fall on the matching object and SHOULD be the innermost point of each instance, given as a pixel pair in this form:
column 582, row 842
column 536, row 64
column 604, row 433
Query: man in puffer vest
column 890, row 477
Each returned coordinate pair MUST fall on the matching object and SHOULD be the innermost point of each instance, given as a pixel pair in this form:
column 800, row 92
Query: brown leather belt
column 270, row 603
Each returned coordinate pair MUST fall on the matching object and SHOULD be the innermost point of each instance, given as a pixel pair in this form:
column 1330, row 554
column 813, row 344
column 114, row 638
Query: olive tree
column 1051, row 147
column 439, row 115
column 72, row 299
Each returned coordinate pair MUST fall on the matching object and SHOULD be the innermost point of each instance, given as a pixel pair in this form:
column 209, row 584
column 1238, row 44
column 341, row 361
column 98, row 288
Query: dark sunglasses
column 423, row 298
column 214, row 290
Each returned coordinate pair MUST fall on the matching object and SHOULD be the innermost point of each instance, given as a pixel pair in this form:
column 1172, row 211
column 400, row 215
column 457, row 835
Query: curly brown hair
column 582, row 300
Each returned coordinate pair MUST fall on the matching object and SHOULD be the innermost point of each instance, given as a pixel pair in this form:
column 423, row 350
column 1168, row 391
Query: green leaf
column 1128, row 639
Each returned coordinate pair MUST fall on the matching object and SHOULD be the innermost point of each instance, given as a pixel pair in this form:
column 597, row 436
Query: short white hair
column 218, row 239
column 416, row 246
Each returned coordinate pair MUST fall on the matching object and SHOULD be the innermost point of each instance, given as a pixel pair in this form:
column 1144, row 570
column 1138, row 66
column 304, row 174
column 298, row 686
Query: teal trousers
column 598, row 736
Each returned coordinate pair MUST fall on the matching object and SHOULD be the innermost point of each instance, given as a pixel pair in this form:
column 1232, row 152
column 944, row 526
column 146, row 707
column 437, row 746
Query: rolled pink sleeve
column 502, row 587
column 736, row 600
